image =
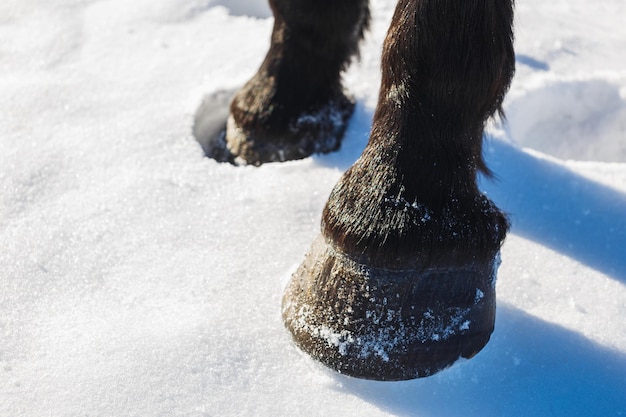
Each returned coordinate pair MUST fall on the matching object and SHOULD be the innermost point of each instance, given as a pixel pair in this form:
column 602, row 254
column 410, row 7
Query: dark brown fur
column 402, row 282
column 412, row 196
column 312, row 43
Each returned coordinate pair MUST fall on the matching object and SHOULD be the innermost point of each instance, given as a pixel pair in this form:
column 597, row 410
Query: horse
column 400, row 283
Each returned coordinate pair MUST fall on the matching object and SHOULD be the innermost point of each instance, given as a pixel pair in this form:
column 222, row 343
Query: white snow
column 138, row 278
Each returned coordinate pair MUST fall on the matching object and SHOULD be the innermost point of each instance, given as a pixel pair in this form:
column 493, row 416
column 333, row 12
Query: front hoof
column 388, row 324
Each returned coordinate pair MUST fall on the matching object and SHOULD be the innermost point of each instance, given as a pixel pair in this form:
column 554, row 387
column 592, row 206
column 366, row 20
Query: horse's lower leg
column 295, row 106
column 402, row 281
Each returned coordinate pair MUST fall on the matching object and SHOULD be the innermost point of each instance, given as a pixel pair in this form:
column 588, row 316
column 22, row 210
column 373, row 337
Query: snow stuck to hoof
column 384, row 324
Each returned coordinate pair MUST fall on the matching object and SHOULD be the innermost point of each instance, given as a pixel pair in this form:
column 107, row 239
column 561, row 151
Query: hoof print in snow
column 209, row 126
column 388, row 324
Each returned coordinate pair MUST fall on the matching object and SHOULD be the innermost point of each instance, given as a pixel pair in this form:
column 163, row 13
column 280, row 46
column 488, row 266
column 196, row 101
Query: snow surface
column 138, row 278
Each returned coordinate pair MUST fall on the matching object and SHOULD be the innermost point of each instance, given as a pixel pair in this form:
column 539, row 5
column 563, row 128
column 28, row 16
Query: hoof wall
column 385, row 324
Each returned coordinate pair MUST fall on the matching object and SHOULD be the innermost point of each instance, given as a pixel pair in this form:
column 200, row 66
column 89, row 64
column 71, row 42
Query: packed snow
column 139, row 278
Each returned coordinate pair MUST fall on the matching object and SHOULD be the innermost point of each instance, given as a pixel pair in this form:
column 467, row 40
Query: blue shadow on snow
column 531, row 62
column 529, row 368
column 558, row 208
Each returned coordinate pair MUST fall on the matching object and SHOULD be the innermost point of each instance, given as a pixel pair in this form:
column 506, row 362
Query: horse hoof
column 319, row 131
column 388, row 324
column 316, row 131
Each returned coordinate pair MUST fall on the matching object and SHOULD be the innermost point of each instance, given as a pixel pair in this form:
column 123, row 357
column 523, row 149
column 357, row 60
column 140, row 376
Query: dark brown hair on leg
column 401, row 283
column 295, row 106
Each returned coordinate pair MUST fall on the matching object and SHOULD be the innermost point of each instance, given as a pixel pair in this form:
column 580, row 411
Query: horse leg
column 401, row 282
column 294, row 105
